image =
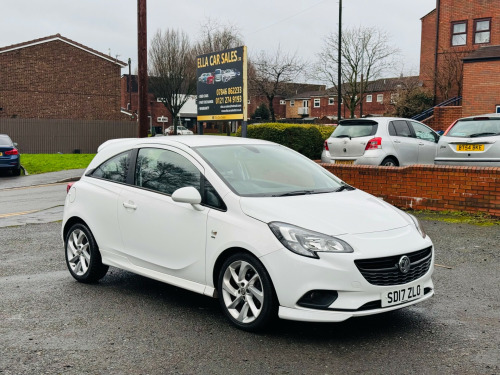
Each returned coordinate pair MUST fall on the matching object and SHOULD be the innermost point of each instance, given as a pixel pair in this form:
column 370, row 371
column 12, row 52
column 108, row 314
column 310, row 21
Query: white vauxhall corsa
column 255, row 224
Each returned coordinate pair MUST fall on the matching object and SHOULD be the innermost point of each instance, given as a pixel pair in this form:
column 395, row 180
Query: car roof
column 487, row 115
column 182, row 140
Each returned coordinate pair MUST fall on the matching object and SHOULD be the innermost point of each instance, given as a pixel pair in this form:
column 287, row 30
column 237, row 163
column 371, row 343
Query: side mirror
column 188, row 195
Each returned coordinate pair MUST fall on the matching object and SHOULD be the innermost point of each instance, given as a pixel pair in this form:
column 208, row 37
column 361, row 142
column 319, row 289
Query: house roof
column 432, row 11
column 59, row 37
column 488, row 53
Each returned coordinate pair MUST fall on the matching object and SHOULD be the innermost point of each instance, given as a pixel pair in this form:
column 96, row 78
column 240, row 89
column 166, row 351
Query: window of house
column 369, row 98
column 380, row 98
column 248, row 101
column 482, row 31
column 331, row 101
column 317, row 103
column 394, row 97
column 292, row 103
column 282, row 102
column 459, row 33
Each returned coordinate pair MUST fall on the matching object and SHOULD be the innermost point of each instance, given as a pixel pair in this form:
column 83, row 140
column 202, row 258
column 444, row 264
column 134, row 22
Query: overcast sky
column 110, row 26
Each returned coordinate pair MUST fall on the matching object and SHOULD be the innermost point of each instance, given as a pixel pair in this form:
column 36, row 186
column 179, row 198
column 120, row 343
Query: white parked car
column 387, row 141
column 260, row 227
column 181, row 130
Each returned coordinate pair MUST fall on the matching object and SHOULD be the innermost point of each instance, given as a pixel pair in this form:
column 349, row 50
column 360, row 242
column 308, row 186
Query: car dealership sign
column 222, row 85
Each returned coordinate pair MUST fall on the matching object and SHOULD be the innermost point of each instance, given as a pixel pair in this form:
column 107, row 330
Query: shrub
column 306, row 139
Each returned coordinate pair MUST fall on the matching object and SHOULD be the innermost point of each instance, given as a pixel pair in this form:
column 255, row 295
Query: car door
column 159, row 234
column 404, row 143
column 427, row 142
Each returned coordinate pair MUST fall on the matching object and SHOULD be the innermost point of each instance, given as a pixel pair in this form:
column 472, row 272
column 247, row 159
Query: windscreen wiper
column 296, row 192
column 482, row 134
column 345, row 187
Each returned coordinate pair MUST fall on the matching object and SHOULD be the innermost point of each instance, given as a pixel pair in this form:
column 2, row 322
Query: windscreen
column 475, row 128
column 268, row 170
column 355, row 129
column 5, row 141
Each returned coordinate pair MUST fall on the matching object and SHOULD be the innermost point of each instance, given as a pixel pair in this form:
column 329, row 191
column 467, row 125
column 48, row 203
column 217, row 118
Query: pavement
column 10, row 182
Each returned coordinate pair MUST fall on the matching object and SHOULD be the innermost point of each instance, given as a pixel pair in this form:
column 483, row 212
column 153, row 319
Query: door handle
column 130, row 205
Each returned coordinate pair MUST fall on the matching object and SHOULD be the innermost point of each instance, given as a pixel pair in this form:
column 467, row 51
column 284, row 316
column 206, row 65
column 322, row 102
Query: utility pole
column 142, row 61
column 130, row 84
column 339, row 78
column 361, row 87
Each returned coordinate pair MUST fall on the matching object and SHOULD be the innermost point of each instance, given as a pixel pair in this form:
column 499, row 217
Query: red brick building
column 481, row 82
column 451, row 32
column 378, row 99
column 57, row 78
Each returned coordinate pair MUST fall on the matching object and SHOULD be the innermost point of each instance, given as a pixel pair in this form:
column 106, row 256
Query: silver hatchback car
column 387, row 141
column 471, row 141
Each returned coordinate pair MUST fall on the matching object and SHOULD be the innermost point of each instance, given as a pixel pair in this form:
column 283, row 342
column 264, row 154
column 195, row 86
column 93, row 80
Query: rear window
column 475, row 128
column 355, row 129
column 5, row 141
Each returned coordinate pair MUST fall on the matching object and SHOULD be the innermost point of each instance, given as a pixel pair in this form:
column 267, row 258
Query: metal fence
column 44, row 136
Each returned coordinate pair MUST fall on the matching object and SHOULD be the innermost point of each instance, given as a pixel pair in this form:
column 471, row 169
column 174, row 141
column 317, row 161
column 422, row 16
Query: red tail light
column 12, row 152
column 326, row 146
column 449, row 128
column 374, row 143
column 69, row 186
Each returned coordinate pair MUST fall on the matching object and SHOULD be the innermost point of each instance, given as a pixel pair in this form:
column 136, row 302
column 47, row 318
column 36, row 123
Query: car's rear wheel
column 389, row 162
column 16, row 172
column 246, row 293
column 82, row 255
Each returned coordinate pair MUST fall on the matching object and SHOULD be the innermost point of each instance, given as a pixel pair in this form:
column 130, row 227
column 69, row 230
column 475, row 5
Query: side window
column 211, row 198
column 114, row 169
column 401, row 129
column 423, row 132
column 165, row 171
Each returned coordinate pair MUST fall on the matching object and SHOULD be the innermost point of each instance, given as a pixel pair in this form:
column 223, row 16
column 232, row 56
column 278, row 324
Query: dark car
column 10, row 159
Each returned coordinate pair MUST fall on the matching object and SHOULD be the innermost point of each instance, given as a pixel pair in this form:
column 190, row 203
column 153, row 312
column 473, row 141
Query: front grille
column 385, row 271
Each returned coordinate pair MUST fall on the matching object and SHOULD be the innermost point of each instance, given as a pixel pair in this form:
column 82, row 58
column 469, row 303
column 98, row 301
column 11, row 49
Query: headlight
column 418, row 224
column 307, row 243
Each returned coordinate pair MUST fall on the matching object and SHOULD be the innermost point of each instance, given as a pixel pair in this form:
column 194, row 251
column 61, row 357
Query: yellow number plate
column 470, row 147
column 344, row 161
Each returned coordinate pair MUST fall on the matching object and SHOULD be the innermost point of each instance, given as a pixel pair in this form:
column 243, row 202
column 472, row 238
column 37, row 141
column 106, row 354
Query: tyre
column 16, row 172
column 82, row 255
column 389, row 162
column 246, row 293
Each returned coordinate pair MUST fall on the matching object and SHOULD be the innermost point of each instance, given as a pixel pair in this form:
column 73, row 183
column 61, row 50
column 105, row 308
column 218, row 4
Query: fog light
column 318, row 299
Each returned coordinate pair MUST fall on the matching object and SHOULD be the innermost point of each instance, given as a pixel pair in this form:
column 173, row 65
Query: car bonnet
column 345, row 212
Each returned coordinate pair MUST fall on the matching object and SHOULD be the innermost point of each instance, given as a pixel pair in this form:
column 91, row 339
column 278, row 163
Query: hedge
column 306, row 139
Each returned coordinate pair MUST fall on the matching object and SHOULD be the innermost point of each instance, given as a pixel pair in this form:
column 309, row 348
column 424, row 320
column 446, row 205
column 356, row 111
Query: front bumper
column 294, row 276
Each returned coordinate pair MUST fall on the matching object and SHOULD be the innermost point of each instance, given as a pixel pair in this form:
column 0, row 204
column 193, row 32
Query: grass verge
column 479, row 218
column 42, row 163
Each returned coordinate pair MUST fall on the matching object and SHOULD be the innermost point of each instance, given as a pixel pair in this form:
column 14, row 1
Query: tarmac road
column 128, row 324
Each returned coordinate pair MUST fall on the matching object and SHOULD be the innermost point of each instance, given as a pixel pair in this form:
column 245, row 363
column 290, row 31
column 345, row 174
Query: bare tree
column 172, row 70
column 449, row 76
column 270, row 74
column 365, row 53
column 408, row 98
column 216, row 36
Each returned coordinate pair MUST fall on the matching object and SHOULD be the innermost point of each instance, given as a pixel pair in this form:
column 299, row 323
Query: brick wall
column 428, row 187
column 444, row 117
column 481, row 87
column 60, row 81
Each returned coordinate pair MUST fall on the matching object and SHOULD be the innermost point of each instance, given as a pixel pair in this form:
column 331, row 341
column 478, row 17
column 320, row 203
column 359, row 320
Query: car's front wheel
column 246, row 293
column 82, row 255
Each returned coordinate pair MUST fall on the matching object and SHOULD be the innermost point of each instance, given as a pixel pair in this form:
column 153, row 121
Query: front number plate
column 470, row 147
column 402, row 295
